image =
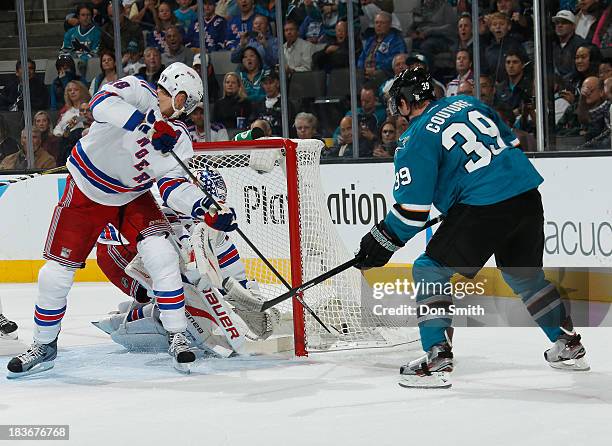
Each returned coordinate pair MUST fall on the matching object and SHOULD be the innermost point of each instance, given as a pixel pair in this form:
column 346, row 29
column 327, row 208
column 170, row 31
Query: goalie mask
column 178, row 78
column 213, row 182
column 414, row 85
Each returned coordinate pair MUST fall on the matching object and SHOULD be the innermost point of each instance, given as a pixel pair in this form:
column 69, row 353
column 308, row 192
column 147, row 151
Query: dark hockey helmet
column 414, row 85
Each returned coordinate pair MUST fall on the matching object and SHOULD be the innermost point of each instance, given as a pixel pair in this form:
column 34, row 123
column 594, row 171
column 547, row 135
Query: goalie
column 213, row 276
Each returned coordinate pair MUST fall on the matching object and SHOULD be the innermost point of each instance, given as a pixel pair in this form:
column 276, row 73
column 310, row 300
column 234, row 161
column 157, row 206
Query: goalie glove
column 377, row 247
column 223, row 219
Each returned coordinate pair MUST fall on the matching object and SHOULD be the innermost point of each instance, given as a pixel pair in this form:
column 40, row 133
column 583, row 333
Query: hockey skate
column 8, row 329
column 182, row 356
column 37, row 358
column 247, row 304
column 430, row 371
column 567, row 353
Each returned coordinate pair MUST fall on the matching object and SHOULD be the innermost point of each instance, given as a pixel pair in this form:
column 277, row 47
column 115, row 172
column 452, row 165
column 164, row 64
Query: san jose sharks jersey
column 116, row 162
column 457, row 151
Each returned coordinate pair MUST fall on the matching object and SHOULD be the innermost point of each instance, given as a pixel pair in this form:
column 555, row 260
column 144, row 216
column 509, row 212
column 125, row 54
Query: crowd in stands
column 156, row 33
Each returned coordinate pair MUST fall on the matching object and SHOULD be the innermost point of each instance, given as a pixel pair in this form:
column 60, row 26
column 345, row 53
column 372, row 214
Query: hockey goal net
column 275, row 187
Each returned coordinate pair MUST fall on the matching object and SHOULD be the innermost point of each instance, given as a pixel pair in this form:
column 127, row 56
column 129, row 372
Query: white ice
column 503, row 392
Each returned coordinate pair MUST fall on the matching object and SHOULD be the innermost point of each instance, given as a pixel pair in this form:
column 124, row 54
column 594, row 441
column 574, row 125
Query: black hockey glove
column 377, row 247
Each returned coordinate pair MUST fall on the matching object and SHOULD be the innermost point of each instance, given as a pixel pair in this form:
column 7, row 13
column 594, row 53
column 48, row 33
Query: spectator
column 466, row 87
column 265, row 126
column 487, row 90
column 176, row 51
column 370, row 110
column 146, row 17
column 132, row 60
column 130, row 32
column 226, row 8
column 76, row 93
column 465, row 37
column 517, row 86
column 369, row 10
column 434, row 27
column 521, row 25
column 234, row 107
column 269, row 108
column 297, row 51
column 213, row 85
column 608, row 89
column 495, row 52
column 7, row 144
column 99, row 16
column 76, row 128
column 108, row 74
column 306, row 125
column 215, row 28
column 259, row 36
column 419, row 60
column 587, row 60
column 377, row 55
column 387, row 141
column 588, row 14
column 463, row 65
column 185, row 15
column 603, row 32
column 130, row 9
column 311, row 28
column 252, row 71
column 19, row 159
column 11, row 97
column 336, row 54
column 50, row 142
column 344, row 148
column 298, row 10
column 566, row 44
column 66, row 72
column 593, row 109
column 527, row 141
column 197, row 131
column 240, row 23
column 83, row 41
column 153, row 67
column 605, row 69
column 399, row 65
column 164, row 19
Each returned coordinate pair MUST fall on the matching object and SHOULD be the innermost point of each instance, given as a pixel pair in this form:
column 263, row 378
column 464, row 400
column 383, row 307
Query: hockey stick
column 32, row 175
column 328, row 274
column 249, row 242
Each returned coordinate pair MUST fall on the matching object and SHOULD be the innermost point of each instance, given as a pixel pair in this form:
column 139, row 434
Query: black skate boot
column 8, row 329
column 429, row 371
column 37, row 358
column 182, row 356
column 567, row 353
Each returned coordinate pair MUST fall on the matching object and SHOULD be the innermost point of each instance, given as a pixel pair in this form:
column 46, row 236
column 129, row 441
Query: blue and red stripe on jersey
column 96, row 177
column 99, row 97
column 228, row 257
column 46, row 318
column 170, row 300
column 167, row 185
column 149, row 87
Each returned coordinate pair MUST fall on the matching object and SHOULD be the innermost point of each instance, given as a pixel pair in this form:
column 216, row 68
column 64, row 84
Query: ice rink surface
column 503, row 392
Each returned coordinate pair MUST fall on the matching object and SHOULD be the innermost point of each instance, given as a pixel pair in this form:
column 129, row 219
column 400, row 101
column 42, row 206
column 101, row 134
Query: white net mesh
column 260, row 198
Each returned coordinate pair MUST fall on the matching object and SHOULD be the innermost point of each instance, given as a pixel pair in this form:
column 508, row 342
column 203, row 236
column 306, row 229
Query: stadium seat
column 307, row 84
column 338, row 83
column 221, row 62
column 93, row 69
column 50, row 72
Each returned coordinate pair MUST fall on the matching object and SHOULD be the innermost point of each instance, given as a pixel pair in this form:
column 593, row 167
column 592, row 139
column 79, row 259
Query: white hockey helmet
column 177, row 78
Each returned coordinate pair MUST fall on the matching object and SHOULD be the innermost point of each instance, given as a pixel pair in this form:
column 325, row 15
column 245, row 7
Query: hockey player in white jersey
column 110, row 173
column 8, row 329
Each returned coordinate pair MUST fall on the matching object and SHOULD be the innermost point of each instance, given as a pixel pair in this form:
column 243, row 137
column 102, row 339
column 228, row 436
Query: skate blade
column 437, row 380
column 42, row 367
column 573, row 365
column 182, row 367
column 9, row 336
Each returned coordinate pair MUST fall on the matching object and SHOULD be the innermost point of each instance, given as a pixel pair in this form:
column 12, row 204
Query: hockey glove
column 164, row 137
column 222, row 220
column 377, row 247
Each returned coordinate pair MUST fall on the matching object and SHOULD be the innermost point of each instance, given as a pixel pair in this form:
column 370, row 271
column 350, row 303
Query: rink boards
column 576, row 192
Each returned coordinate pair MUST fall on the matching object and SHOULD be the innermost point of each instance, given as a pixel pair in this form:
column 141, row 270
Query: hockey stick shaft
column 329, row 274
column 248, row 241
column 33, row 175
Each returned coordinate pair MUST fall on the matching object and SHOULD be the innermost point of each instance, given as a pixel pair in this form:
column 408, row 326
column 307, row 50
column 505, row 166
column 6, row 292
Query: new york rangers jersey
column 116, row 162
column 457, row 151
